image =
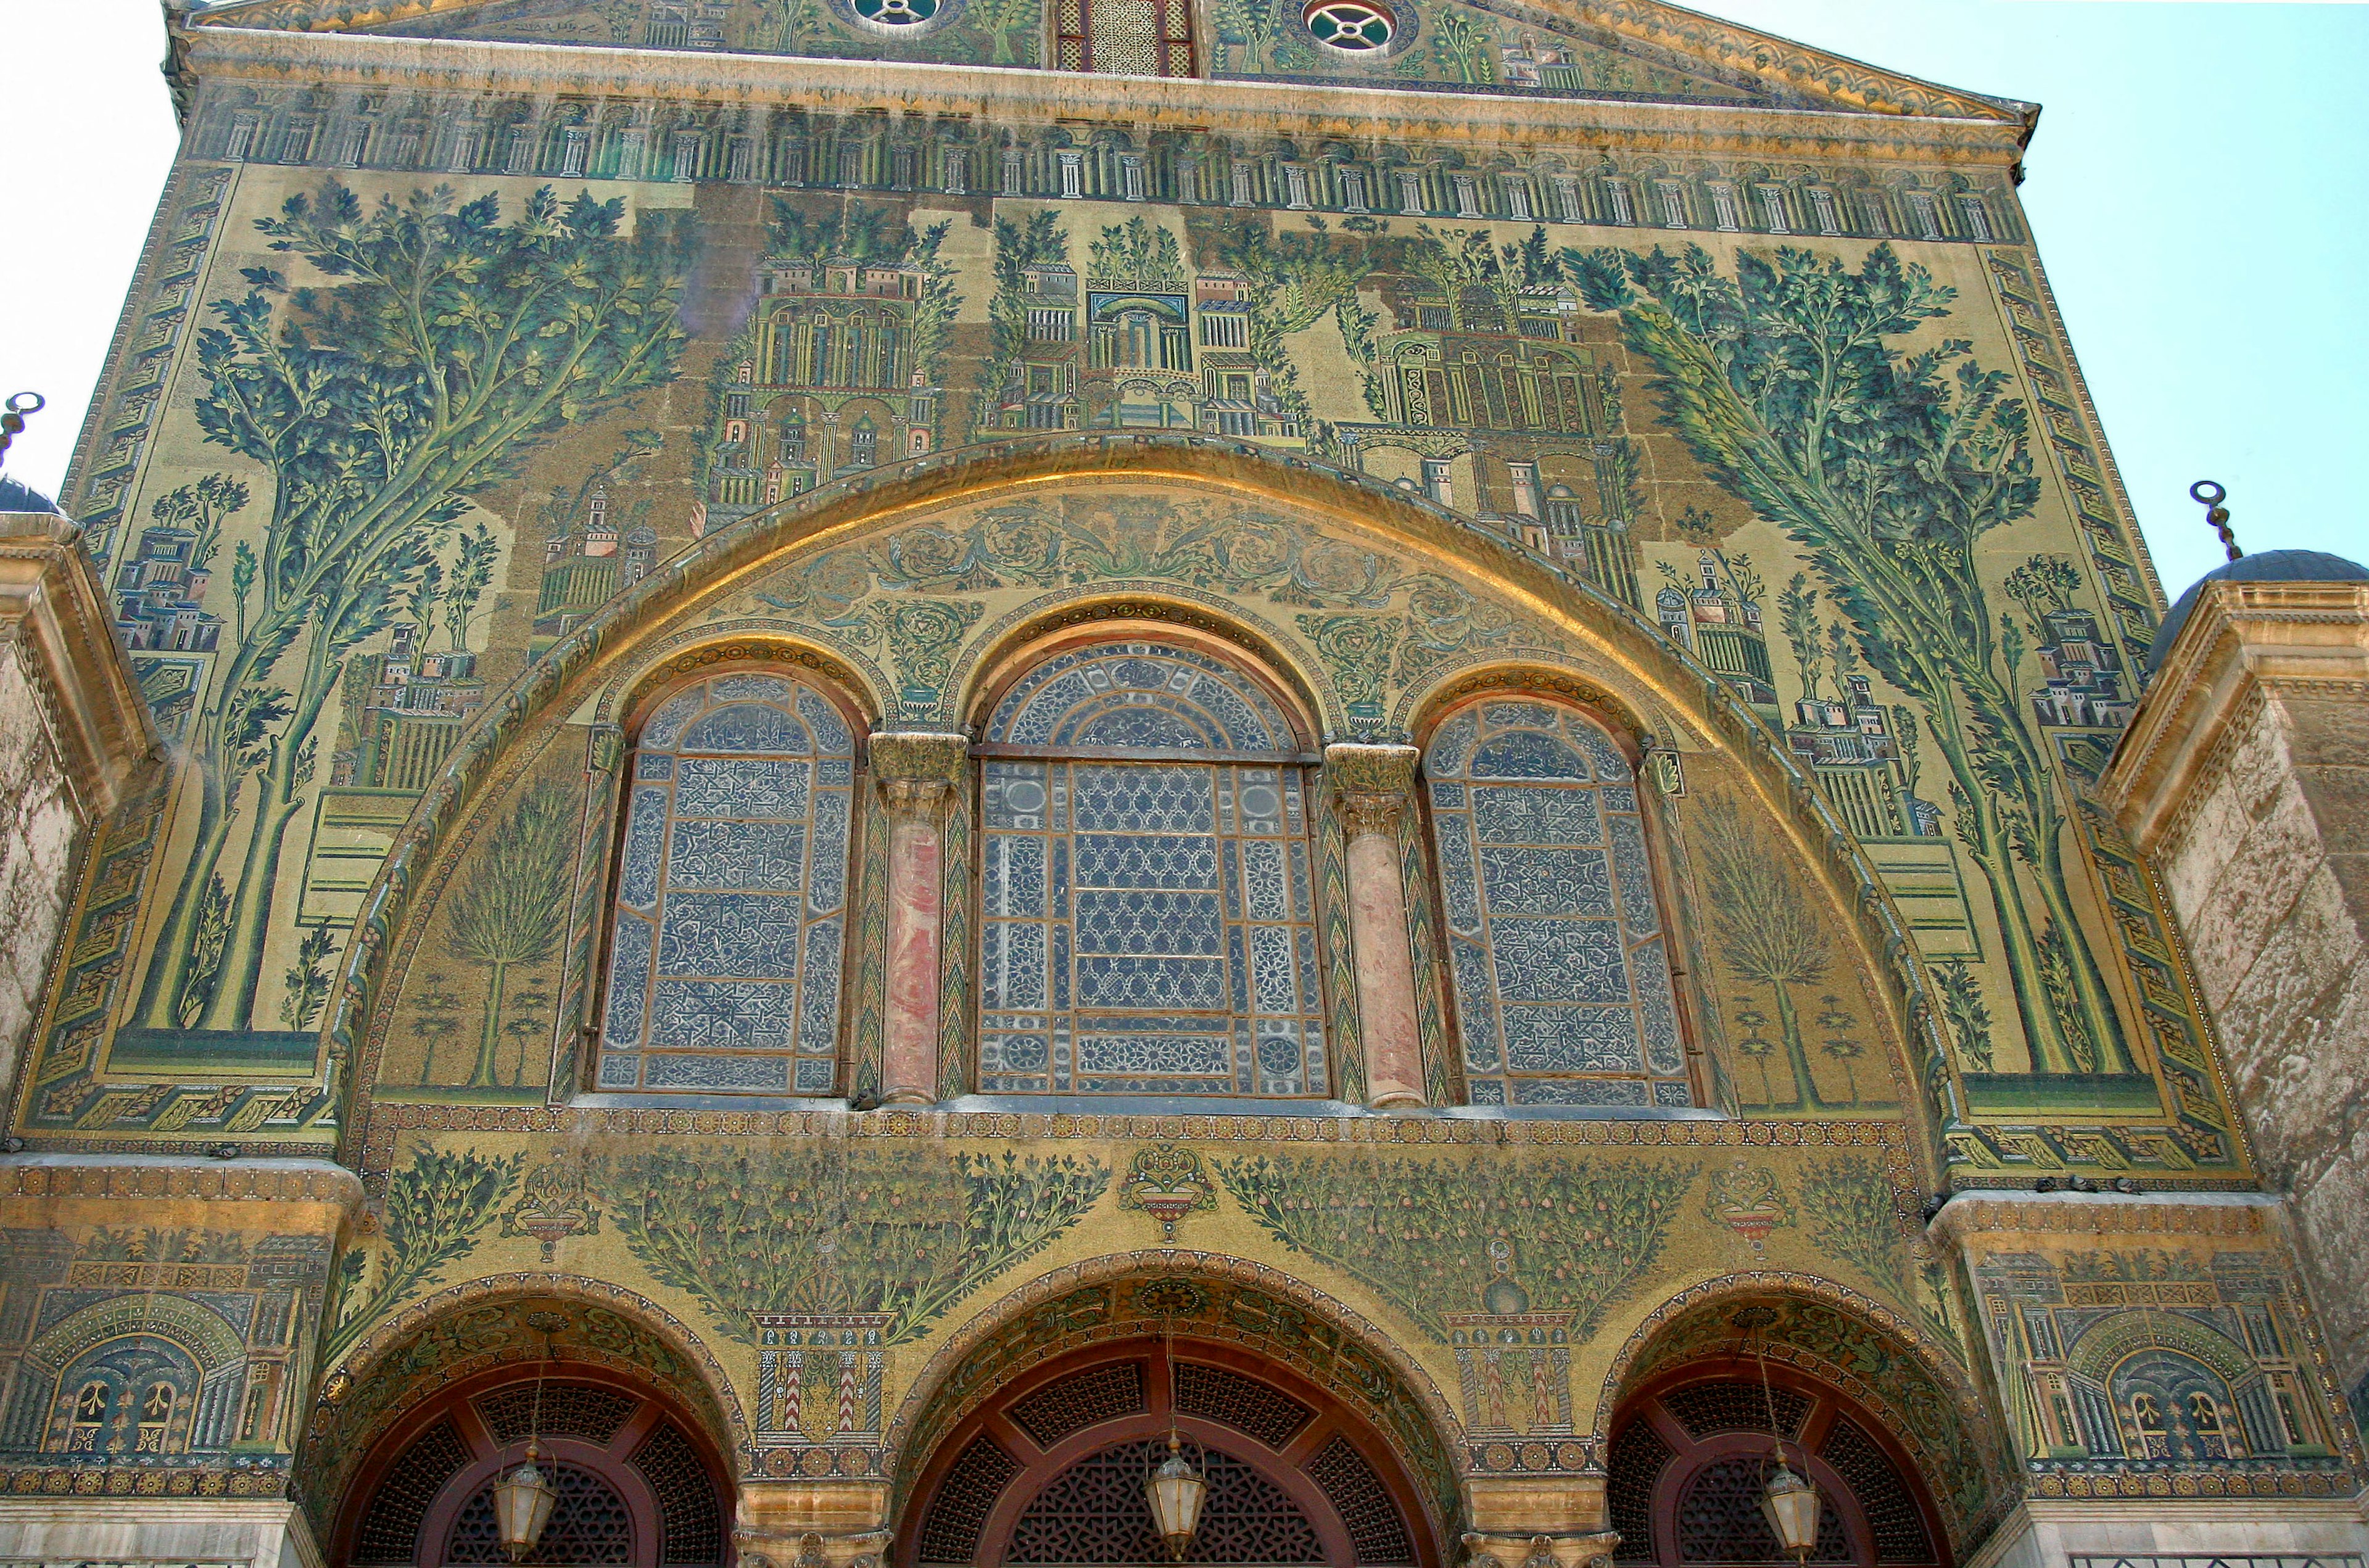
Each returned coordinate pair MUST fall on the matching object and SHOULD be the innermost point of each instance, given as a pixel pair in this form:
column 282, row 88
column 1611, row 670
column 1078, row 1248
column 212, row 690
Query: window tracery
column 730, row 910
column 1148, row 922
column 1556, row 951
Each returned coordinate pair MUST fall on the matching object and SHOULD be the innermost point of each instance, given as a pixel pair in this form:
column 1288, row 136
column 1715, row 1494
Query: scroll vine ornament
column 840, row 1229
column 1166, row 1182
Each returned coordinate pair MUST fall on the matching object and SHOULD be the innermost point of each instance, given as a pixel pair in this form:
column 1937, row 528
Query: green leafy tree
column 1461, row 44
column 1254, row 24
column 1294, row 280
column 447, row 345
column 855, row 1230
column 1797, row 612
column 1143, row 254
column 201, row 508
column 1002, row 21
column 307, row 980
column 1887, row 462
column 1040, row 240
column 472, row 572
column 514, row 905
column 437, row 1210
column 1766, row 932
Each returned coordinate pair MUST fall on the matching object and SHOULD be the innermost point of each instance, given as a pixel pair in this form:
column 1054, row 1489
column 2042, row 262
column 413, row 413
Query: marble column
column 917, row 776
column 1368, row 787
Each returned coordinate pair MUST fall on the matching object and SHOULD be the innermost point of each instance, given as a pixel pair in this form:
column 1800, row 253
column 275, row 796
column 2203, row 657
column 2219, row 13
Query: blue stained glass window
column 1555, row 948
column 724, row 962
column 1148, row 922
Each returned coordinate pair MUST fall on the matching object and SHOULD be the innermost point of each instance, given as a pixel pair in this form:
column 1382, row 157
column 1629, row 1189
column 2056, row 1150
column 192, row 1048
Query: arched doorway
column 639, row 1486
column 1051, row 1469
column 1690, row 1450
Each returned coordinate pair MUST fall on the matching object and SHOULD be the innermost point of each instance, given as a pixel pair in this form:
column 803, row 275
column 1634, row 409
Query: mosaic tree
column 449, row 342
column 511, row 909
column 1888, row 462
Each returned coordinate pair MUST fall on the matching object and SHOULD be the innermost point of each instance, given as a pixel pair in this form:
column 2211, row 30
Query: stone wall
column 71, row 726
column 2245, row 775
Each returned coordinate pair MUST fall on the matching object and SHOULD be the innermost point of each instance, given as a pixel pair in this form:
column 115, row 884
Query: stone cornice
column 1010, row 96
column 2242, row 639
column 135, row 1178
column 1966, row 1217
column 53, row 609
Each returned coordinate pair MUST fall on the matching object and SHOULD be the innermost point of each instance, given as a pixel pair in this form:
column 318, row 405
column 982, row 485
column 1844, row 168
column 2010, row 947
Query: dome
column 2270, row 565
column 17, row 496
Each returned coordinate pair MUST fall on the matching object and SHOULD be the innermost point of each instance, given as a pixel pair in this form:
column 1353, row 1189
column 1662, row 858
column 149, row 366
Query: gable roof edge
column 1672, row 35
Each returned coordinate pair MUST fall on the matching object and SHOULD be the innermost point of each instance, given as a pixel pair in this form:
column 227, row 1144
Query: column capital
column 1369, row 786
column 918, row 756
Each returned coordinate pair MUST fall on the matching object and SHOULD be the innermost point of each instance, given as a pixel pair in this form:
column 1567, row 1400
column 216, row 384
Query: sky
column 2199, row 187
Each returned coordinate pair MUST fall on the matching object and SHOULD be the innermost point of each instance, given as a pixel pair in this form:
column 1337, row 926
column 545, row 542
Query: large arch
column 1650, row 675
column 1829, row 1336
column 1225, row 1305
column 1050, row 1467
column 491, row 1328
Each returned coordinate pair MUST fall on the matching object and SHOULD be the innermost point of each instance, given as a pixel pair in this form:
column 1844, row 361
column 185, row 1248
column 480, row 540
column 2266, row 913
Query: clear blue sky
column 2199, row 186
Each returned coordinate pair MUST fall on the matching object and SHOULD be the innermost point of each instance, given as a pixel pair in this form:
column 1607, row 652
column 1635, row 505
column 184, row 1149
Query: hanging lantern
column 1790, row 1504
column 522, row 1504
column 1175, row 1490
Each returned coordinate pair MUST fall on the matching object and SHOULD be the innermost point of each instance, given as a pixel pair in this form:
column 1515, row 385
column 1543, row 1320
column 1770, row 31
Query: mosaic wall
column 1482, row 363
column 524, row 660
column 2164, row 1353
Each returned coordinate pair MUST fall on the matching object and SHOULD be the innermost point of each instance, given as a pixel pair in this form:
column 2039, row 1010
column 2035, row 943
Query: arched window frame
column 1686, row 1088
column 1821, row 1406
column 1319, row 1070
column 601, row 1076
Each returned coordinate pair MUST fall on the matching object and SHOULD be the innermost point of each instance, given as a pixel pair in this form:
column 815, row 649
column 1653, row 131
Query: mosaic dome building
column 845, row 763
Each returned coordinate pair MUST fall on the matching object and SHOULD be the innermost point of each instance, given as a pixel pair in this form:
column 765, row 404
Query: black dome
column 2270, row 565
column 17, row 496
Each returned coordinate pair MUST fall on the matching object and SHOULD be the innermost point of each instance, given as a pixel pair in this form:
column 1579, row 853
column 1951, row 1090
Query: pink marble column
column 1368, row 788
column 917, row 776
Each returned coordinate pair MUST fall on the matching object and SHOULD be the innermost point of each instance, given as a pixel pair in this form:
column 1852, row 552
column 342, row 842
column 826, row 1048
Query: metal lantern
column 1790, row 1504
column 522, row 1504
column 1175, row 1490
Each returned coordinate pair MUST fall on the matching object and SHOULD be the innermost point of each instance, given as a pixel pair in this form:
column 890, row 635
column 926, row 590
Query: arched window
column 637, row 1485
column 1563, row 988
column 1687, row 1466
column 730, row 913
column 1149, row 907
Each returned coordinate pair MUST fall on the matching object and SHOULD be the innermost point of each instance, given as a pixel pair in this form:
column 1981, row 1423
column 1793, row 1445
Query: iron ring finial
column 2209, row 495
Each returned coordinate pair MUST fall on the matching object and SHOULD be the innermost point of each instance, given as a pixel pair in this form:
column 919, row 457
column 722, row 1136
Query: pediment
column 1639, row 51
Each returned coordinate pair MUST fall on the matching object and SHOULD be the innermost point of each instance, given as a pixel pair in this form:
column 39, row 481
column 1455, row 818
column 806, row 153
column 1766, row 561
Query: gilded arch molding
column 500, row 1320
column 1213, row 1297
column 657, row 613
column 1834, row 1334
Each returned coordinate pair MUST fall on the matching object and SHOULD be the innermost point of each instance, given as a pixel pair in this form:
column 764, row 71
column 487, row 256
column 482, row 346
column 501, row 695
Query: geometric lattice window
column 1375, row 1527
column 1720, row 1518
column 559, row 1410
column 390, row 1531
column 1561, row 983
column 1244, row 1403
column 1148, row 916
column 1688, row 1467
column 731, row 909
column 1096, row 1512
column 1082, row 1399
column 958, row 1512
column 693, row 1523
column 1127, row 37
column 588, row 1524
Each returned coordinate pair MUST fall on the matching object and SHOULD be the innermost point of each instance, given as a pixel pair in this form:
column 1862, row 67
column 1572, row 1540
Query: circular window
column 1351, row 26
column 896, row 13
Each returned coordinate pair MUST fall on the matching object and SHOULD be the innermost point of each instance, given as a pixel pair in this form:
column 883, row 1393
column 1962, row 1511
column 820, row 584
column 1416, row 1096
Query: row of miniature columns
column 917, row 773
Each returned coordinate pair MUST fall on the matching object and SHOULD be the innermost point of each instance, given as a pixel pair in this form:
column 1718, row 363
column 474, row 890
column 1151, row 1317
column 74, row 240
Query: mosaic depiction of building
column 923, row 752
